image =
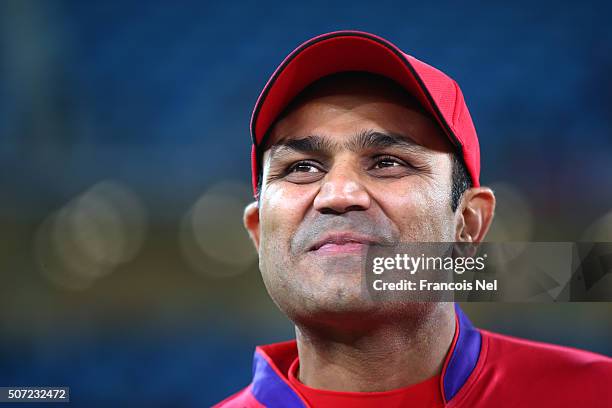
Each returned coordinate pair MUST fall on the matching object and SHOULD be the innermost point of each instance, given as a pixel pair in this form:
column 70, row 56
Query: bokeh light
column 212, row 230
column 513, row 215
column 600, row 230
column 91, row 235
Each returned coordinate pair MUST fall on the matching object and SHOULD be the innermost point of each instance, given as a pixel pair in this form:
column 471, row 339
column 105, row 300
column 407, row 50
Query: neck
column 391, row 355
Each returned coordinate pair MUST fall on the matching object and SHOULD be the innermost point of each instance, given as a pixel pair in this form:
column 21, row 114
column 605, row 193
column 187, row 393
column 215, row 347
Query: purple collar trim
column 271, row 390
column 463, row 356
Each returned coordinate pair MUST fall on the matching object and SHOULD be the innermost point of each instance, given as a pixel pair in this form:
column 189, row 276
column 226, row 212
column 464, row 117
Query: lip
column 341, row 242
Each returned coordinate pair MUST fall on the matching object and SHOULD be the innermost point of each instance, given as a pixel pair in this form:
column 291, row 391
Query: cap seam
column 457, row 108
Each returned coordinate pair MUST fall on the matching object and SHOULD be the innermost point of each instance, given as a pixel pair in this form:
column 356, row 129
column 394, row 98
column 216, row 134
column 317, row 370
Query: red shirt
column 481, row 370
column 425, row 394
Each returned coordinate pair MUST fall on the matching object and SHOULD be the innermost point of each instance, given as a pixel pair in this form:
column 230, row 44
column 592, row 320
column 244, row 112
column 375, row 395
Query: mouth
column 341, row 243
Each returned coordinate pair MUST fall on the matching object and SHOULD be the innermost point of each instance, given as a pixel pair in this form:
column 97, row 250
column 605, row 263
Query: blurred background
column 124, row 168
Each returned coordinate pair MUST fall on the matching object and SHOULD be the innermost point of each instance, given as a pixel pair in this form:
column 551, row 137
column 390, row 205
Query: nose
column 341, row 192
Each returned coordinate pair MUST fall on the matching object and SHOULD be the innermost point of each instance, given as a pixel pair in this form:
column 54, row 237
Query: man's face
column 348, row 165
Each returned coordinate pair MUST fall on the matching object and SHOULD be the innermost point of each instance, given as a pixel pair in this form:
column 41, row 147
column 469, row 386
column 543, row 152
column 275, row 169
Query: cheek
column 281, row 212
column 420, row 209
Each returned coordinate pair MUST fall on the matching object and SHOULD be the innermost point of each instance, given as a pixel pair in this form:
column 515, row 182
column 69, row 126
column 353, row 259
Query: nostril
column 329, row 211
column 354, row 208
column 332, row 211
column 341, row 195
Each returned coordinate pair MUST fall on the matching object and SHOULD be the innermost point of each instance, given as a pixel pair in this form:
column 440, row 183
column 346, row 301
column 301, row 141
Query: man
column 357, row 144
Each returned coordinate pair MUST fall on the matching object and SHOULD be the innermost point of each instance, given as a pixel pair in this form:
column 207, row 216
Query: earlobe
column 476, row 214
column 251, row 222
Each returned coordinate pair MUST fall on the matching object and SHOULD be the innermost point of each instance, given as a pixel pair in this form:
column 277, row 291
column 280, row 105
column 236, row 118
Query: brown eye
column 386, row 162
column 303, row 167
column 304, row 172
column 390, row 166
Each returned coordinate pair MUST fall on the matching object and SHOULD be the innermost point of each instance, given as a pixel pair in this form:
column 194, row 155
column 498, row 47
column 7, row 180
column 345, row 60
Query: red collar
column 425, row 394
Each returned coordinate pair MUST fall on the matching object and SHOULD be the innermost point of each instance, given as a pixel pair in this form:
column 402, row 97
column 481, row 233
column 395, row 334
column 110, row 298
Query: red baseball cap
column 342, row 51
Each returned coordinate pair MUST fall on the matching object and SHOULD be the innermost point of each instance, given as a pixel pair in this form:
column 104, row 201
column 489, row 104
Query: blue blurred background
column 124, row 168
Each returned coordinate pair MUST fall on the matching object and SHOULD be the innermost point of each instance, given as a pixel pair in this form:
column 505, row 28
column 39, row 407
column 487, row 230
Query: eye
column 385, row 166
column 304, row 172
column 303, row 167
column 386, row 161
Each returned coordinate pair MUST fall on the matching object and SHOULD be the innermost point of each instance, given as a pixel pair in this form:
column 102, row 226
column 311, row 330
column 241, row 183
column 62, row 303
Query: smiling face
column 353, row 161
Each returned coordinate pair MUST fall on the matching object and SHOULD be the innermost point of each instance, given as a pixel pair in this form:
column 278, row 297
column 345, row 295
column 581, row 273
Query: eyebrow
column 365, row 140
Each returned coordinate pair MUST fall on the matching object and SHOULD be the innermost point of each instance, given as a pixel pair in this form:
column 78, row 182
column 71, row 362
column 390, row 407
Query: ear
column 475, row 214
column 251, row 222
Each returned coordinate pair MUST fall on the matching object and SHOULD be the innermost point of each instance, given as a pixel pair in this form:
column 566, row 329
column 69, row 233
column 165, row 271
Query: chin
column 333, row 307
column 351, row 311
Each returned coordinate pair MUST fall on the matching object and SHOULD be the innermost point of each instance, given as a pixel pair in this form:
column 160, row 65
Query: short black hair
column 461, row 181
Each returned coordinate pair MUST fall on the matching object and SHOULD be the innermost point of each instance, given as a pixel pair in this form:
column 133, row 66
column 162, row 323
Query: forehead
column 343, row 105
